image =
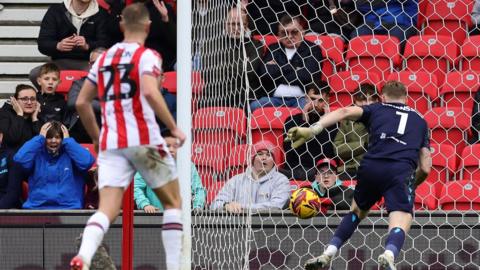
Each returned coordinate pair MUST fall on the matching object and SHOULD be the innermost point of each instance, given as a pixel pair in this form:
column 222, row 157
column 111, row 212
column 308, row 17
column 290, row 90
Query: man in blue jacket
column 57, row 166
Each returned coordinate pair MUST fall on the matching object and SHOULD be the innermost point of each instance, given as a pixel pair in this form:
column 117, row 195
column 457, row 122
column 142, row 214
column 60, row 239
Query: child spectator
column 261, row 186
column 53, row 105
column 10, row 179
column 351, row 141
column 327, row 185
column 19, row 117
column 300, row 162
column 147, row 200
column 69, row 32
column 57, row 166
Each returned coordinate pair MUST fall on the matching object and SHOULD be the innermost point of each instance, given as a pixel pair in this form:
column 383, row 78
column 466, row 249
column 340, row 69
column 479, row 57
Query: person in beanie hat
column 327, row 185
column 261, row 186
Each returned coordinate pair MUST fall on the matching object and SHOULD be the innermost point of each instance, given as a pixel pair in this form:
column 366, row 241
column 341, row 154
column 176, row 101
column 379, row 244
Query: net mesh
column 241, row 70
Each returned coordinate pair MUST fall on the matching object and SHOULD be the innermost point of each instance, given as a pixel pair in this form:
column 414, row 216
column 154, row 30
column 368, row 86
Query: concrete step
column 17, row 68
column 19, row 32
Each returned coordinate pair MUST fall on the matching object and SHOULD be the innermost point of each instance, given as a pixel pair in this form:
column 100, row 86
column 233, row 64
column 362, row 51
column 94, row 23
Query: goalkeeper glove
column 300, row 135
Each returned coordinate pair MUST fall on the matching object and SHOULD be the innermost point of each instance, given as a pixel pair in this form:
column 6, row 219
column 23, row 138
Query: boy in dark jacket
column 53, row 105
column 327, row 185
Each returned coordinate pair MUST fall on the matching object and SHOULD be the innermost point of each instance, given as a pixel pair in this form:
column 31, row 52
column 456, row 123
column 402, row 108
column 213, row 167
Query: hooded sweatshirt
column 78, row 20
column 269, row 191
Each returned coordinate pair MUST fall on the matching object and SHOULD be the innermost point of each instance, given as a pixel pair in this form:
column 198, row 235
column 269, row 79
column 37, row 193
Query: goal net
column 263, row 66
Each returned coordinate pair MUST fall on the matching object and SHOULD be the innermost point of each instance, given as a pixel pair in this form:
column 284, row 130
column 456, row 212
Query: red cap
column 326, row 161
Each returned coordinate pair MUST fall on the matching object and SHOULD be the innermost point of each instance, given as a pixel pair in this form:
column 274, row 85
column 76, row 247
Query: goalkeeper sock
column 395, row 240
column 172, row 230
column 96, row 228
column 345, row 230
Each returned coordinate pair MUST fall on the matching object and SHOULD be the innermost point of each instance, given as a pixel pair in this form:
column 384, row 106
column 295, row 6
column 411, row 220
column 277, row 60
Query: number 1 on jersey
column 403, row 122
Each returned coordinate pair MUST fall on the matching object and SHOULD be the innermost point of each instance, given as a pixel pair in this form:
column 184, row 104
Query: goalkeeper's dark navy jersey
column 396, row 133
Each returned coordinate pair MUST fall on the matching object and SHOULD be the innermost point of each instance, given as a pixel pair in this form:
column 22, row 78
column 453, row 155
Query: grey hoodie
column 270, row 191
column 476, row 12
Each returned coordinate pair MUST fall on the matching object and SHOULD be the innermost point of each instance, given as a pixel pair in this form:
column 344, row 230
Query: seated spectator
column 333, row 17
column 394, row 18
column 57, row 166
column 300, row 162
column 261, row 186
column 351, row 141
column 232, row 90
column 52, row 104
column 327, row 185
column 69, row 32
column 72, row 120
column 265, row 13
column 145, row 197
column 10, row 179
column 476, row 118
column 476, row 18
column 289, row 66
column 19, row 117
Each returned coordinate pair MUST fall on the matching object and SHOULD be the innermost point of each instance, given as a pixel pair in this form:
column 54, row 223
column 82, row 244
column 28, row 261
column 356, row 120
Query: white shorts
column 116, row 167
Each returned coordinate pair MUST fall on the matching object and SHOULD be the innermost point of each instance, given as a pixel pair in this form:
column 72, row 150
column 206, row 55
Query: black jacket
column 303, row 69
column 16, row 129
column 53, row 107
column 340, row 196
column 56, row 25
column 10, row 180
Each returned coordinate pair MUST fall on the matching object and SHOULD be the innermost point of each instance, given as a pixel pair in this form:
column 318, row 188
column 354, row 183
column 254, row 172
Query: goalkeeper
column 398, row 160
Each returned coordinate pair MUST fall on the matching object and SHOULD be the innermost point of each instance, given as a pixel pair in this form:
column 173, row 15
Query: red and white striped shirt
column 127, row 118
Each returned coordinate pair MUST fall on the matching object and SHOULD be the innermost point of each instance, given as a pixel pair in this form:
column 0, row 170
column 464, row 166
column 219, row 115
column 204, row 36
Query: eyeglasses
column 27, row 99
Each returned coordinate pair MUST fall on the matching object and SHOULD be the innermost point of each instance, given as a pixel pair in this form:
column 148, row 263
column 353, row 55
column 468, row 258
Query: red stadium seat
column 349, row 183
column 343, row 84
column 268, row 123
column 91, row 148
column 66, row 79
column 237, row 160
column 422, row 88
column 213, row 189
column 460, row 195
column 430, row 53
column 444, row 164
column 470, row 163
column 332, row 49
column 459, row 89
column 426, row 196
column 374, row 54
column 449, row 126
column 266, row 40
column 469, row 58
column 24, row 190
column 449, row 18
column 219, row 125
column 170, row 82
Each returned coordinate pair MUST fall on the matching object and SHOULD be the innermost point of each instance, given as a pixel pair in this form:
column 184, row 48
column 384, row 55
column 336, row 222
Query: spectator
column 265, row 14
column 333, row 17
column 163, row 29
column 10, row 179
column 395, row 18
column 75, row 127
column 476, row 18
column 351, row 141
column 261, row 186
column 230, row 64
column 19, row 117
column 327, row 185
column 300, row 162
column 57, row 166
column 69, row 32
column 52, row 104
column 476, row 118
column 147, row 200
column 290, row 66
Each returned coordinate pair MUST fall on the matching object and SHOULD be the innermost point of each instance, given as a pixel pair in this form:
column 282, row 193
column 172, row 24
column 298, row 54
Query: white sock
column 172, row 231
column 95, row 229
column 331, row 250
column 389, row 252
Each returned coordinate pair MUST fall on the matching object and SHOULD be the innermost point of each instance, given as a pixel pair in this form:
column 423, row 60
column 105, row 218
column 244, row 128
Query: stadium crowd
column 44, row 162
